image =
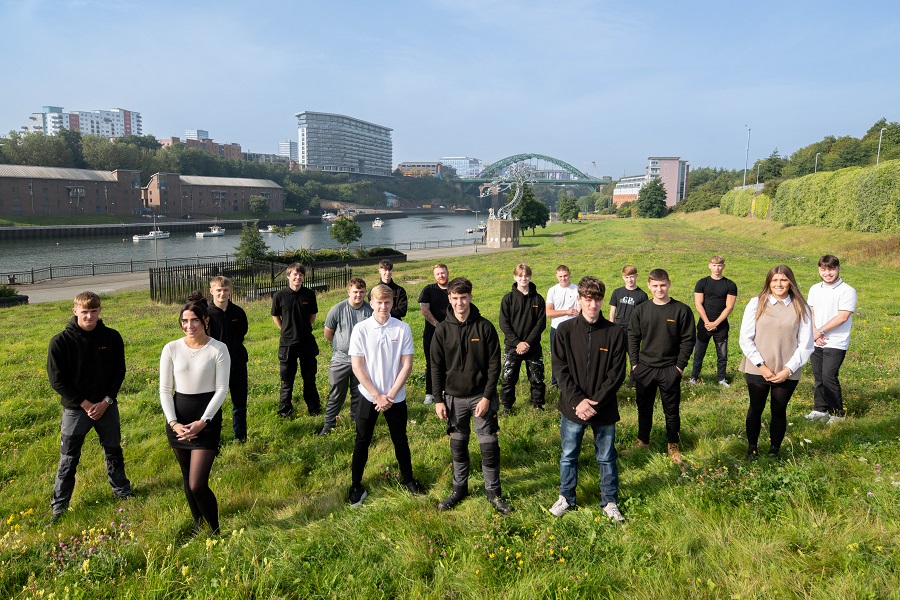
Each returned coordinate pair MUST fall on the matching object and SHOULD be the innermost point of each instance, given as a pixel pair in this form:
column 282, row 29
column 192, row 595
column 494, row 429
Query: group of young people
column 372, row 358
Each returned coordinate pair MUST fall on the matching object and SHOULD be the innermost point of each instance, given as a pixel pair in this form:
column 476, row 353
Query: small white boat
column 214, row 231
column 156, row 234
column 481, row 227
column 329, row 216
column 377, row 222
column 269, row 229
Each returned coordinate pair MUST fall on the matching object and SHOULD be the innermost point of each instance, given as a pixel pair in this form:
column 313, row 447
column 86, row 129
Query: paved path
column 55, row 290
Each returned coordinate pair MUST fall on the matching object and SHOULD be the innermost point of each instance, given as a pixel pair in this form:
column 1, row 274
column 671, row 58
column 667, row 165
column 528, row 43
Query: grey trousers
column 74, row 428
column 342, row 379
column 460, row 413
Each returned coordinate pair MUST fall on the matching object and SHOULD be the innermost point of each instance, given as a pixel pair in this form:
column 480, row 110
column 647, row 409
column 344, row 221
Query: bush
column 759, row 208
column 737, row 202
column 7, row 292
column 624, row 210
column 381, row 252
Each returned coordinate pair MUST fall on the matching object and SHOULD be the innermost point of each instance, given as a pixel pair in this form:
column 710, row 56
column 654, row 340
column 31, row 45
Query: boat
column 155, row 234
column 329, row 216
column 377, row 222
column 214, row 231
column 268, row 229
column 481, row 227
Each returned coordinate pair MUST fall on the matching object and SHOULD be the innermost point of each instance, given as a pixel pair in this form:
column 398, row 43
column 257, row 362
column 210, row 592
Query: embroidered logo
column 601, row 349
column 670, row 320
column 475, row 340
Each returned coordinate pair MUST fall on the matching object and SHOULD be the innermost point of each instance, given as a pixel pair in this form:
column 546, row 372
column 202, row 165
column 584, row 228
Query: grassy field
column 822, row 522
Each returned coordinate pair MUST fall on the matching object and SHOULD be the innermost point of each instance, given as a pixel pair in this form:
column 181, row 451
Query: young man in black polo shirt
column 465, row 367
column 294, row 312
column 714, row 298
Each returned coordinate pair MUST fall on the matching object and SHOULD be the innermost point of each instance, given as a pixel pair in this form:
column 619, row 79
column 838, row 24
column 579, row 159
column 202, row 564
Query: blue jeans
column 604, row 450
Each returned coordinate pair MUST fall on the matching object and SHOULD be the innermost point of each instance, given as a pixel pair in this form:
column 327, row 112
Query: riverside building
column 177, row 195
column 54, row 191
column 340, row 144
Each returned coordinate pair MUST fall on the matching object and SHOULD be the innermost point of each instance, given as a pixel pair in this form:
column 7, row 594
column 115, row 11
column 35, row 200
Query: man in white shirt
column 833, row 303
column 562, row 303
column 381, row 354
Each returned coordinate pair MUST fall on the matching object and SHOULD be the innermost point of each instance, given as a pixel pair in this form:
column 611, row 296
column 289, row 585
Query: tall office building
column 288, row 149
column 337, row 143
column 466, row 168
column 196, row 134
column 116, row 122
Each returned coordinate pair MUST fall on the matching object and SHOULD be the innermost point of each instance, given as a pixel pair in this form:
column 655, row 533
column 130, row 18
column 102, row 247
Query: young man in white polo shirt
column 381, row 354
column 832, row 303
column 562, row 303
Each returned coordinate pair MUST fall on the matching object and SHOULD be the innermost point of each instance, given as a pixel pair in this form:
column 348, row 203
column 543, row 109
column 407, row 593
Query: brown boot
column 675, row 453
column 638, row 445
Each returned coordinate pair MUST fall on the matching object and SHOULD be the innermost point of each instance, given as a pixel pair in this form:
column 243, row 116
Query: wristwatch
column 207, row 421
column 108, row 400
column 759, row 364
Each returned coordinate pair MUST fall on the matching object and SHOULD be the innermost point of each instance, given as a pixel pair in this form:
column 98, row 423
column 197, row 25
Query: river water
column 26, row 254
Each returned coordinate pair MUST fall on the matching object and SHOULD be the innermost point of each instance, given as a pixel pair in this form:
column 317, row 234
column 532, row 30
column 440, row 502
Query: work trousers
column 827, row 397
column 668, row 381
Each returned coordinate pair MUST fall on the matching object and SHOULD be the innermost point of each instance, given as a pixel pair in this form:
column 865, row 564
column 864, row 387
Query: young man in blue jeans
column 588, row 358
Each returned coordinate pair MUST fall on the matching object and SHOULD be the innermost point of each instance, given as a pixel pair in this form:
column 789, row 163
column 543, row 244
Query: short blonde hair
column 522, row 268
column 221, row 281
column 87, row 300
column 381, row 291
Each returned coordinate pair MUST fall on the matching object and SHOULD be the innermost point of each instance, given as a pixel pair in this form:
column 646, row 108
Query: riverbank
column 55, row 290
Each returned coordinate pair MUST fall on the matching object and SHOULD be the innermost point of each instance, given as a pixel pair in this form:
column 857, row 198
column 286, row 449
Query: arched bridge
column 541, row 168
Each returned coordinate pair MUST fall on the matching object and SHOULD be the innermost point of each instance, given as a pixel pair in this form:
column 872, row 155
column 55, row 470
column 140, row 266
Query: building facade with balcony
column 341, row 144
column 113, row 123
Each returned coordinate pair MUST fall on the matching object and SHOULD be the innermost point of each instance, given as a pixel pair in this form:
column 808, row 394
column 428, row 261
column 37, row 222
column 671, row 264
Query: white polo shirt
column 827, row 301
column 562, row 299
column 382, row 346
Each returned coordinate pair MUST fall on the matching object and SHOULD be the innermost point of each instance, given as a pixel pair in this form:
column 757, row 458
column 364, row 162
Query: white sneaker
column 612, row 511
column 561, row 507
column 835, row 419
column 724, row 383
column 429, row 398
column 817, row 415
column 692, row 381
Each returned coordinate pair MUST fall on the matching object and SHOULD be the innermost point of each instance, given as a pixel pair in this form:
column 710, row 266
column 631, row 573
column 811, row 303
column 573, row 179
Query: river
column 20, row 255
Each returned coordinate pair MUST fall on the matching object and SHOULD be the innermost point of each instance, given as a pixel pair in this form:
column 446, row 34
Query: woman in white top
column 196, row 369
column 777, row 340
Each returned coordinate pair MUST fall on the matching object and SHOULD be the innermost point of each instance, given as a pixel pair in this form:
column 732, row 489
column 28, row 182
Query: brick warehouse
column 176, row 195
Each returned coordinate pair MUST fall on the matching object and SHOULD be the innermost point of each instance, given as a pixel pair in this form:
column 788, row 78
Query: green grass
column 820, row 523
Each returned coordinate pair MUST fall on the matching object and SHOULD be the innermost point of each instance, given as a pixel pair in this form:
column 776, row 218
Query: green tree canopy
column 345, row 231
column 567, row 210
column 530, row 212
column 258, row 205
column 283, row 234
column 251, row 245
column 651, row 202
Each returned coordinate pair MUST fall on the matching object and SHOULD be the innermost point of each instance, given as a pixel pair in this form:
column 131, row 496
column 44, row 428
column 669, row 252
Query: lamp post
column 816, row 167
column 757, row 173
column 747, row 156
column 880, row 134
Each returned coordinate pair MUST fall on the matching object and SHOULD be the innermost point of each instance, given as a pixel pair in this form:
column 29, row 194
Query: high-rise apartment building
column 288, row 149
column 671, row 169
column 466, row 168
column 337, row 143
column 116, row 122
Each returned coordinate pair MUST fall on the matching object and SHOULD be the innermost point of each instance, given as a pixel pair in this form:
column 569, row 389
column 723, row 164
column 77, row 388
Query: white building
column 116, row 122
column 288, row 149
column 670, row 169
column 466, row 168
column 196, row 134
column 341, row 144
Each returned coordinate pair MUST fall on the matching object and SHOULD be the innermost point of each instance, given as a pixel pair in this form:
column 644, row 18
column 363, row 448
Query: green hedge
column 759, row 207
column 856, row 198
column 737, row 202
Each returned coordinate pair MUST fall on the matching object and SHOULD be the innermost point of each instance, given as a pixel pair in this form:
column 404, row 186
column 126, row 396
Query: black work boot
column 455, row 497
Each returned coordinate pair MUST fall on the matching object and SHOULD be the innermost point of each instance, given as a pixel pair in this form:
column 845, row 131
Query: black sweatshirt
column 661, row 335
column 229, row 326
column 465, row 357
column 86, row 365
column 523, row 318
column 401, row 302
column 589, row 362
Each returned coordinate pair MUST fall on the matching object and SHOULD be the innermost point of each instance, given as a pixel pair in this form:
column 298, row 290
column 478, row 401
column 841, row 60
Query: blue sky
column 583, row 81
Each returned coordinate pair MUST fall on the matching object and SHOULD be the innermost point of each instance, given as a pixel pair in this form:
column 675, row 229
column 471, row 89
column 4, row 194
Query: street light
column 816, row 167
column 757, row 173
column 747, row 156
column 880, row 134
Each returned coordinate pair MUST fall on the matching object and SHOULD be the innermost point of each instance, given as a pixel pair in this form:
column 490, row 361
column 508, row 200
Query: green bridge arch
column 497, row 168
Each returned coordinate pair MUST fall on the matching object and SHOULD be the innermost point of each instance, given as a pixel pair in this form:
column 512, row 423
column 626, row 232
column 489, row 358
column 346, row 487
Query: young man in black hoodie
column 86, row 367
column 523, row 318
column 660, row 340
column 588, row 358
column 465, row 368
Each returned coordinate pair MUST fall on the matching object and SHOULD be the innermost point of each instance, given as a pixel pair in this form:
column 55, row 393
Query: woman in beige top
column 777, row 340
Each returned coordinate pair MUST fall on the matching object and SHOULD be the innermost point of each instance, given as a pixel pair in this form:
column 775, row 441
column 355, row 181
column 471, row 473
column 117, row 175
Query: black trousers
column 237, row 386
column 759, row 389
column 288, row 357
column 827, row 396
column 534, row 365
column 668, row 381
column 366, row 418
column 720, row 337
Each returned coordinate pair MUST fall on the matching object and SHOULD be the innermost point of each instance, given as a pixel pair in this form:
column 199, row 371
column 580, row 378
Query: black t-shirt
column 438, row 301
column 714, row 292
column 294, row 308
column 625, row 300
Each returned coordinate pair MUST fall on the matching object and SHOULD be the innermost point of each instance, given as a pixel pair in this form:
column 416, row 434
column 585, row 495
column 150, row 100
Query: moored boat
column 214, row 231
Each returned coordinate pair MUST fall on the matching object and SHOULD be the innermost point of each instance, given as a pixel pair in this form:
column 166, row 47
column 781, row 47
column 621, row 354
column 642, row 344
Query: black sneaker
column 455, row 497
column 56, row 518
column 314, row 411
column 127, row 495
column 500, row 506
column 357, row 495
column 773, row 452
column 325, row 431
column 539, row 407
column 753, row 453
column 415, row 488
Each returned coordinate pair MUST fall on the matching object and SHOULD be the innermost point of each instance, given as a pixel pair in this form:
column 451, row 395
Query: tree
column 251, row 245
column 568, row 209
column 258, row 205
column 651, row 202
column 283, row 233
column 531, row 212
column 345, row 231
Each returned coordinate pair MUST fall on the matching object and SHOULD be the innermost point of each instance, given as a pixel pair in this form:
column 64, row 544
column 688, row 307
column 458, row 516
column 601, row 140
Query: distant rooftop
column 56, row 173
column 227, row 181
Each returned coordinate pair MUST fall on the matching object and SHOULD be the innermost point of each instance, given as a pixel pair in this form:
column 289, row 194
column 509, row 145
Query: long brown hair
column 796, row 296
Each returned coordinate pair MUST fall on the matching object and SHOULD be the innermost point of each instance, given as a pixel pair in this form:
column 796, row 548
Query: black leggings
column 781, row 394
column 195, row 467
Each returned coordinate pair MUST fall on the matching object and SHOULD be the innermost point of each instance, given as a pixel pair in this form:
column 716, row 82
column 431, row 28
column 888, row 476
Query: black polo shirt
column 294, row 308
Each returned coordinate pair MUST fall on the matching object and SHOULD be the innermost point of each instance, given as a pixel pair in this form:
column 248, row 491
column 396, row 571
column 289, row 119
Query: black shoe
column 500, row 506
column 357, row 495
column 56, row 518
column 415, row 488
column 774, row 452
column 314, row 411
column 539, row 407
column 127, row 495
column 241, row 440
column 325, row 431
column 506, row 410
column 752, row 453
column 455, row 497
column 286, row 415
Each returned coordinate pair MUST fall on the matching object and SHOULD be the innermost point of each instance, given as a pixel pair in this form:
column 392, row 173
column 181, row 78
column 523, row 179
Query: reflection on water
column 25, row 254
